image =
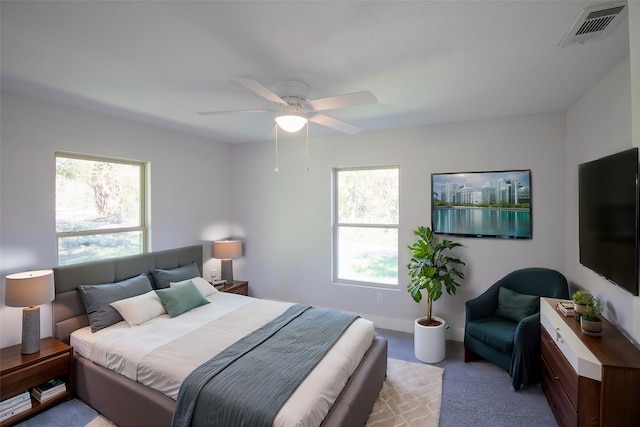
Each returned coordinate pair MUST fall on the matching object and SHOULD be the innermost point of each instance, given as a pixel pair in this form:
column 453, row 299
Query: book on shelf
column 15, row 400
column 43, row 397
column 20, row 407
column 48, row 390
column 566, row 308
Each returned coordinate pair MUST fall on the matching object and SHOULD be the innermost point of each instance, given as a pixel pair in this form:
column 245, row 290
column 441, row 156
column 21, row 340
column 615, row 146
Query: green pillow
column 515, row 306
column 181, row 299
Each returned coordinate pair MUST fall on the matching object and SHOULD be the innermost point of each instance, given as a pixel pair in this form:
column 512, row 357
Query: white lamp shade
column 227, row 249
column 29, row 288
column 291, row 122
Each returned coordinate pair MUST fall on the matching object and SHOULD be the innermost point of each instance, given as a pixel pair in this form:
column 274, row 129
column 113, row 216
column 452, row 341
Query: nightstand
column 20, row 372
column 236, row 287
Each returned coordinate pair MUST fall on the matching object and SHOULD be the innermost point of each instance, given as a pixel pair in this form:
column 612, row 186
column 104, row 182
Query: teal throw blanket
column 247, row 383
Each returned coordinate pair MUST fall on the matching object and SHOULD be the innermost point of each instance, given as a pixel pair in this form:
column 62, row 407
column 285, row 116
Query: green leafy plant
column 593, row 311
column 431, row 268
column 582, row 298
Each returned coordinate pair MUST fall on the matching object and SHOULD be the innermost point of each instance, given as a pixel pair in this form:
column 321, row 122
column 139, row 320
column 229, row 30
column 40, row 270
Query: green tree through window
column 100, row 208
column 366, row 221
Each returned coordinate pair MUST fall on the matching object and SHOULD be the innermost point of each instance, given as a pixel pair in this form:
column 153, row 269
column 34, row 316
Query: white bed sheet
column 148, row 353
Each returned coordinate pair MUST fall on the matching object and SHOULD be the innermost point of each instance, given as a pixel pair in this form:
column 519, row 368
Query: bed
column 133, row 403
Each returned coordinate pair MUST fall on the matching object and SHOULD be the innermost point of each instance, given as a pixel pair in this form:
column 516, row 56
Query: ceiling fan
column 295, row 109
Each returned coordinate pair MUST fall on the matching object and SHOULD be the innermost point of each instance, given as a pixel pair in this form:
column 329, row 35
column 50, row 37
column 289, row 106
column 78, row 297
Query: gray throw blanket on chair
column 247, row 383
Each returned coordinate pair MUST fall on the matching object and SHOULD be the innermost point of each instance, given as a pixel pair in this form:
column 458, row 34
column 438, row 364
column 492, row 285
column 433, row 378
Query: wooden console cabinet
column 589, row 381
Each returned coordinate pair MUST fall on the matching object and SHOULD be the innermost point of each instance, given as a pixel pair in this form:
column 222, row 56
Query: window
column 100, row 208
column 365, row 230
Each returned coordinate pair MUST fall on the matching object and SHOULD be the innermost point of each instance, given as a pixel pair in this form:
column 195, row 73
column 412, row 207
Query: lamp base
column 226, row 270
column 31, row 330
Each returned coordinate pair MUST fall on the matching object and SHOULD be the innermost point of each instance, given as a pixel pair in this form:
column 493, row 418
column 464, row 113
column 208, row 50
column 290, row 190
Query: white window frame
column 336, row 226
column 144, row 220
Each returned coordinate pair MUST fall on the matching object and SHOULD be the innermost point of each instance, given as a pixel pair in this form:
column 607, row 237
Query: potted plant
column 431, row 269
column 581, row 300
column 590, row 321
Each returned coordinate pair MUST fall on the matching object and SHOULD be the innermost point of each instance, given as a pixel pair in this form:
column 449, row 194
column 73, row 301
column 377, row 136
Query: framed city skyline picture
column 482, row 204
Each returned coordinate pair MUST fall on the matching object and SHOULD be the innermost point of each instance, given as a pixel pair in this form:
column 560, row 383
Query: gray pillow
column 180, row 299
column 516, row 306
column 96, row 299
column 162, row 278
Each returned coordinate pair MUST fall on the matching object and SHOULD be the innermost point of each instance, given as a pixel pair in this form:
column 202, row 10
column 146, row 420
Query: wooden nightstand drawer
column 236, row 287
column 38, row 373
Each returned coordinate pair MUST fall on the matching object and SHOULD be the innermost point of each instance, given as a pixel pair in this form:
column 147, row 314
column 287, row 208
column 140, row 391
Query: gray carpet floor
column 474, row 394
column 478, row 393
column 71, row 413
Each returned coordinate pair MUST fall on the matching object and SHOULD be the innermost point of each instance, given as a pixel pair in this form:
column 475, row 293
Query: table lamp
column 226, row 250
column 29, row 290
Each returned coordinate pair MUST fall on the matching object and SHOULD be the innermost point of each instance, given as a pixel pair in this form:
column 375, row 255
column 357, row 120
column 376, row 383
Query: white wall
column 198, row 186
column 598, row 124
column 189, row 192
column 285, row 217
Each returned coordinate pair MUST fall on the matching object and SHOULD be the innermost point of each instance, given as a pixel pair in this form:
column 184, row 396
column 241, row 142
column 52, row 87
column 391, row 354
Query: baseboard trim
column 405, row 325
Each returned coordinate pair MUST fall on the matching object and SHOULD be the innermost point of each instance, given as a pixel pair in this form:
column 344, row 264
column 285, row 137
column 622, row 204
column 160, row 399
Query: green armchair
column 503, row 327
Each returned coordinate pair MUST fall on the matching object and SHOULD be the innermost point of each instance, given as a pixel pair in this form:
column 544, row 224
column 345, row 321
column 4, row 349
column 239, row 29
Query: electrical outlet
column 379, row 298
column 214, row 274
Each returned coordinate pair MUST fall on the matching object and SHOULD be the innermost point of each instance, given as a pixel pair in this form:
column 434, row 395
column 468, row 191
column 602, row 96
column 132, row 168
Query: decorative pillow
column 516, row 306
column 180, row 299
column 96, row 299
column 162, row 278
column 203, row 286
column 139, row 309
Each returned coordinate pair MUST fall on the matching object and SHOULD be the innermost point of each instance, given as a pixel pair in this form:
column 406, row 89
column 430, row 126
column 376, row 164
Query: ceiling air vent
column 595, row 22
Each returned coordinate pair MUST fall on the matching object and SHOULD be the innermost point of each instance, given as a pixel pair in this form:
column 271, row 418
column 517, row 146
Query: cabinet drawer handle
column 558, row 336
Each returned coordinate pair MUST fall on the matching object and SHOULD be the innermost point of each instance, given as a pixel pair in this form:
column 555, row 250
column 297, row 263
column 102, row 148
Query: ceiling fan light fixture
column 291, row 121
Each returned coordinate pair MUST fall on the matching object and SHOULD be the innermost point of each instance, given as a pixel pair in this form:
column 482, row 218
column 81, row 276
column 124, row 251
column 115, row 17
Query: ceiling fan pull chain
column 276, row 168
column 307, row 146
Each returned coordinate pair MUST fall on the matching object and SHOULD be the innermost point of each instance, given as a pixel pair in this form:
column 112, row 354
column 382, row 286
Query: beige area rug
column 100, row 421
column 410, row 396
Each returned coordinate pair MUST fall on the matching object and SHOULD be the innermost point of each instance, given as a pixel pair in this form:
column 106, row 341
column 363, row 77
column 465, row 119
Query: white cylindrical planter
column 429, row 342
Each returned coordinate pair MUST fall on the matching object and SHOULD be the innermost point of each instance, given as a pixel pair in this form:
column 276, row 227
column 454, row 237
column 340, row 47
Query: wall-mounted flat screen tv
column 608, row 217
column 482, row 204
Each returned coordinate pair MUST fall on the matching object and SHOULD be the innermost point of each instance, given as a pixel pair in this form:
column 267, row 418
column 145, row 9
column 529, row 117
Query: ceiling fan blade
column 342, row 101
column 256, row 87
column 213, row 113
column 336, row 124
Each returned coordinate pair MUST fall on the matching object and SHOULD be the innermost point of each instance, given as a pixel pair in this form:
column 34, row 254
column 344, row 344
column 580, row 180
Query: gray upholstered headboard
column 69, row 313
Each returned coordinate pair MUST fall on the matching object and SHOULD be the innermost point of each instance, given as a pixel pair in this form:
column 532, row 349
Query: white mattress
column 163, row 351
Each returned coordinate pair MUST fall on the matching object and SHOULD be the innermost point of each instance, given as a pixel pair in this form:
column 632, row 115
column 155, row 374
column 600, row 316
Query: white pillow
column 203, row 286
column 139, row 309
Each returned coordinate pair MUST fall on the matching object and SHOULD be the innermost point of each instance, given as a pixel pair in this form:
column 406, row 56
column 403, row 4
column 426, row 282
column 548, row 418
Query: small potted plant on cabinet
column 581, row 300
column 430, row 270
column 590, row 321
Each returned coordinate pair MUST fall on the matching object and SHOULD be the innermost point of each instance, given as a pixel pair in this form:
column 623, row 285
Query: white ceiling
column 426, row 62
